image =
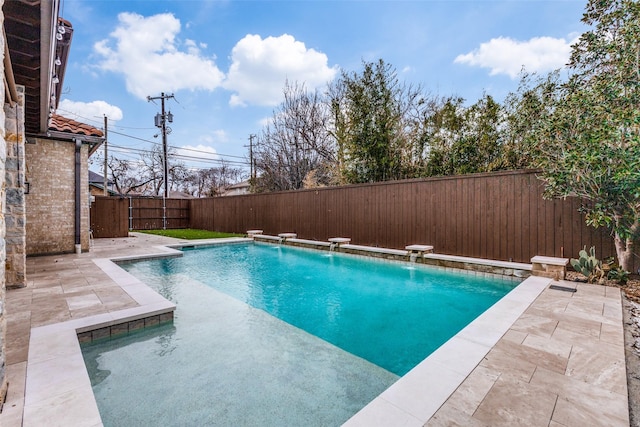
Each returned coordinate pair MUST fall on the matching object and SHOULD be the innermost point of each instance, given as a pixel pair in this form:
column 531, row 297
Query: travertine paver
column 61, row 288
column 560, row 364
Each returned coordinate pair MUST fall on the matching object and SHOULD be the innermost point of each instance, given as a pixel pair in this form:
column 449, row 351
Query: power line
column 138, row 162
column 130, row 151
column 145, row 151
column 151, row 141
column 99, row 122
column 207, row 152
column 174, row 146
column 161, row 122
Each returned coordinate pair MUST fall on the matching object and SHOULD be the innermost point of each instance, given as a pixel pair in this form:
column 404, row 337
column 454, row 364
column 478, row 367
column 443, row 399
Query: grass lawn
column 191, row 234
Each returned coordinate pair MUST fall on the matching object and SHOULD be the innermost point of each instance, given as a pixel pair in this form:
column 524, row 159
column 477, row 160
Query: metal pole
column 78, row 198
column 164, row 213
column 104, row 178
column 163, row 127
column 251, row 169
column 164, row 149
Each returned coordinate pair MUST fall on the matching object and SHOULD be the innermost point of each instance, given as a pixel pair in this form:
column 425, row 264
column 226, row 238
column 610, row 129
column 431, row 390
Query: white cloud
column 260, row 67
column 153, row 60
column 504, row 55
column 220, row 135
column 265, row 121
column 95, row 110
column 211, row 137
column 203, row 152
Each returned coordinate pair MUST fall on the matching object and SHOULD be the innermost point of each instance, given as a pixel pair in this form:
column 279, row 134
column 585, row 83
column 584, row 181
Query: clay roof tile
column 64, row 124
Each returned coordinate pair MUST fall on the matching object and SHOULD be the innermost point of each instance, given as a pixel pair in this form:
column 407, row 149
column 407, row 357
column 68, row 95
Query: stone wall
column 15, row 265
column 51, row 199
column 3, row 153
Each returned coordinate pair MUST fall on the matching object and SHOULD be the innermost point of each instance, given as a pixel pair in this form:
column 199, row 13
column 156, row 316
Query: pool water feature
column 278, row 335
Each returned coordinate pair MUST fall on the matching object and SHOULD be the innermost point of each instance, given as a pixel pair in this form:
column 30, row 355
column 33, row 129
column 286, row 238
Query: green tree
column 461, row 140
column 591, row 147
column 372, row 114
column 478, row 147
column 443, row 124
column 527, row 114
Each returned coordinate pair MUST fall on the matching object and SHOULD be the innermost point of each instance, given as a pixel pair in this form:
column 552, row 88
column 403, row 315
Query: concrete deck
column 559, row 363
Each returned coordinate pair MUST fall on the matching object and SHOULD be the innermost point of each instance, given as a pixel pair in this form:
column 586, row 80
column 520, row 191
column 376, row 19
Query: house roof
column 37, row 48
column 96, row 177
column 101, row 188
column 243, row 184
column 64, row 124
column 179, row 195
column 65, row 128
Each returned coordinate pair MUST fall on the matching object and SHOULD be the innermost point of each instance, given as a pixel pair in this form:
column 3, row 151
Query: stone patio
column 561, row 363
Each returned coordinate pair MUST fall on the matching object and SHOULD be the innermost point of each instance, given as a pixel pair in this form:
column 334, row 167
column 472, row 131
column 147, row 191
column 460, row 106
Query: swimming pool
column 327, row 338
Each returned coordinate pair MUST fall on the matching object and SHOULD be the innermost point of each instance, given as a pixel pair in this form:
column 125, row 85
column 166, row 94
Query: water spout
column 413, row 256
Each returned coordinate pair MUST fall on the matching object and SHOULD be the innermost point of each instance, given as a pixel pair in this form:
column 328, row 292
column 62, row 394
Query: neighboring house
column 96, row 185
column 43, row 162
column 237, row 189
column 179, row 195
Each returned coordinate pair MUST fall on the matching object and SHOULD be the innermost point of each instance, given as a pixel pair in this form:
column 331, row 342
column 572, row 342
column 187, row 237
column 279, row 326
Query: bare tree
column 295, row 143
column 124, row 174
column 210, row 182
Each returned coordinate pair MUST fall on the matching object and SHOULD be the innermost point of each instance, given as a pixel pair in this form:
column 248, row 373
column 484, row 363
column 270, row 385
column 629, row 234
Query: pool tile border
column 425, row 265
column 123, row 328
column 518, row 271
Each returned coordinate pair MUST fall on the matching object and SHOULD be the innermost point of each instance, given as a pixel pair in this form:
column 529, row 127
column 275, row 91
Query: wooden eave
column 30, row 29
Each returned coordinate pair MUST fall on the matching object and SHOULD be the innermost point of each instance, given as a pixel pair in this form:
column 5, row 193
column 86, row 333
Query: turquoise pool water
column 273, row 335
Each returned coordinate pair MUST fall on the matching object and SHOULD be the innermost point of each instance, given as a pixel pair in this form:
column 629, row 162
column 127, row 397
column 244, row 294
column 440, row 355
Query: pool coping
column 415, row 397
column 58, row 385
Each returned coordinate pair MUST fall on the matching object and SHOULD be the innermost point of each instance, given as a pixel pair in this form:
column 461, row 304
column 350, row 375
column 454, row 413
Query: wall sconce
column 27, row 187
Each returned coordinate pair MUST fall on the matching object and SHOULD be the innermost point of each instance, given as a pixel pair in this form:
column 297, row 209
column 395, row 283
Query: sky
column 226, row 62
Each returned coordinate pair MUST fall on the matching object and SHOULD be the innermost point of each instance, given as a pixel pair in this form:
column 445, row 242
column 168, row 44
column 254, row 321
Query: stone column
column 15, row 265
column 3, row 154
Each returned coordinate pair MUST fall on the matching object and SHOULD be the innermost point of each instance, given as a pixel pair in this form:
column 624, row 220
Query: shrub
column 588, row 265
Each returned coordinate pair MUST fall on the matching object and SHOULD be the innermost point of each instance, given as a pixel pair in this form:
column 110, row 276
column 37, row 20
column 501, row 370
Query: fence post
column 164, row 213
column 130, row 214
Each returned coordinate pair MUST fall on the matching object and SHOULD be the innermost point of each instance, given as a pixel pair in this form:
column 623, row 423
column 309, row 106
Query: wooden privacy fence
column 109, row 217
column 496, row 216
column 146, row 213
column 114, row 217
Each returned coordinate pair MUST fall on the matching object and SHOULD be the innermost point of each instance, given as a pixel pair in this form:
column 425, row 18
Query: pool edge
column 415, row 397
column 57, row 385
column 68, row 398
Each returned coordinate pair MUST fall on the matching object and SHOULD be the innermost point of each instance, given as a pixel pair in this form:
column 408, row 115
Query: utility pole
column 105, row 180
column 161, row 122
column 252, row 168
